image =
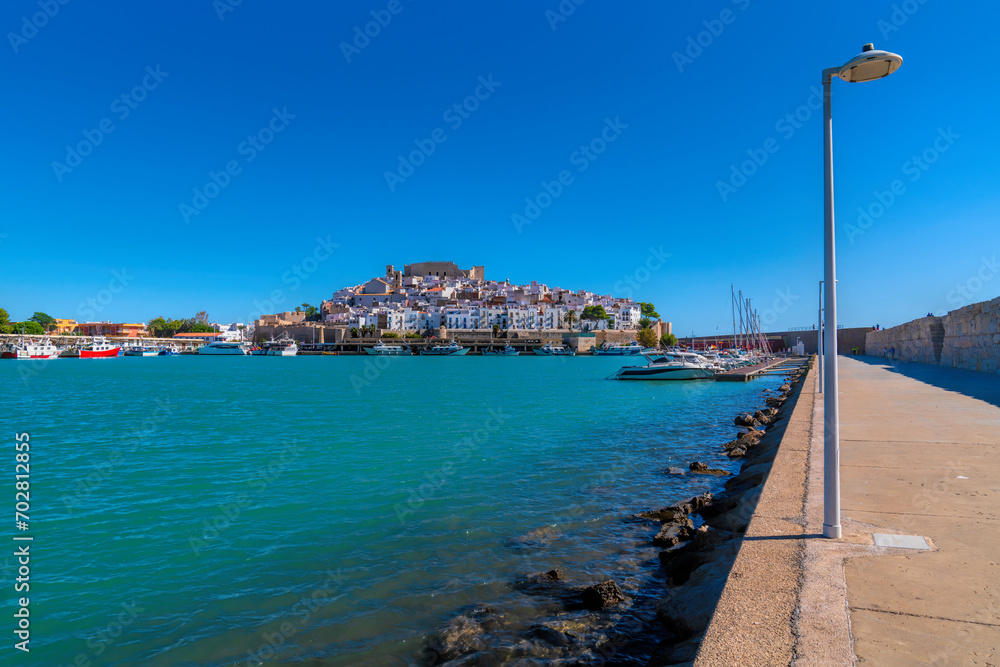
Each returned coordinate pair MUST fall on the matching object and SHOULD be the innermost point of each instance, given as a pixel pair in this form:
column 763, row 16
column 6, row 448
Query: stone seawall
column 966, row 338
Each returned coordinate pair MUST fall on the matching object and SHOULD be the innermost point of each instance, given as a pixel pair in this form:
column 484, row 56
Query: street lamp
column 867, row 66
column 819, row 338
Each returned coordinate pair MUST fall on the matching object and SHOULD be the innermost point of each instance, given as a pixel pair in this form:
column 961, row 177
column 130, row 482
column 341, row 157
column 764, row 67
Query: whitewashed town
column 430, row 295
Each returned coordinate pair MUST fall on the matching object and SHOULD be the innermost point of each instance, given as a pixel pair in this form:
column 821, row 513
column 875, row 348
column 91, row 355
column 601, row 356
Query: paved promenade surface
column 919, row 456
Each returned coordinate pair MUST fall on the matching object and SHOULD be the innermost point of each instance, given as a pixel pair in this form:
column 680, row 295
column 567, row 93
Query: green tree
column 354, row 332
column 668, row 340
column 29, row 327
column 570, row 318
column 647, row 338
column 312, row 313
column 648, row 310
column 158, row 327
column 201, row 327
column 47, row 321
column 645, row 322
column 4, row 316
column 496, row 330
column 595, row 313
column 201, row 316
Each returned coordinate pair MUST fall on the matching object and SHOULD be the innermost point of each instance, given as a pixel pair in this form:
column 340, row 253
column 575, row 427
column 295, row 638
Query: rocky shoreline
column 603, row 625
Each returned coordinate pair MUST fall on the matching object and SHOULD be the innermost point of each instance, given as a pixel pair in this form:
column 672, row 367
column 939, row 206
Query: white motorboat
column 392, row 350
column 223, row 347
column 669, row 366
column 618, row 349
column 141, row 351
column 550, row 350
column 451, row 349
column 29, row 349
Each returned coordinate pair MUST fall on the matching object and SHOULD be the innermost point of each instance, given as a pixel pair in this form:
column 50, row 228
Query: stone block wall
column 966, row 338
column 972, row 337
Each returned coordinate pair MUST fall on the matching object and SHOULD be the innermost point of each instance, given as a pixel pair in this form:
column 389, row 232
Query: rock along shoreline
column 600, row 624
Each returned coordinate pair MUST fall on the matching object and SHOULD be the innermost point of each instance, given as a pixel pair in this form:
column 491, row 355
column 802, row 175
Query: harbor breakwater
column 659, row 622
column 966, row 338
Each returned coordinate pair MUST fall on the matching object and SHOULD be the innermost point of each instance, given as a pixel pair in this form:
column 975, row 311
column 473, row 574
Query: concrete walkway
column 919, row 456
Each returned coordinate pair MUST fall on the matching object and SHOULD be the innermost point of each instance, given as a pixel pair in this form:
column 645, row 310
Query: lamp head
column 869, row 65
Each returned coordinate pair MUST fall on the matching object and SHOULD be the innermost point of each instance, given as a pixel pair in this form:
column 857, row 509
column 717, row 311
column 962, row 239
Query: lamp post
column 866, row 66
column 819, row 338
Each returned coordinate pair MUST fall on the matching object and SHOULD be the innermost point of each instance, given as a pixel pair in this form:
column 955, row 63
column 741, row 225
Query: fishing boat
column 171, row 351
column 451, row 349
column 668, row 366
column 392, row 350
column 618, row 349
column 550, row 350
column 99, row 348
column 220, row 347
column 285, row 347
column 141, row 351
column 505, row 351
column 29, row 349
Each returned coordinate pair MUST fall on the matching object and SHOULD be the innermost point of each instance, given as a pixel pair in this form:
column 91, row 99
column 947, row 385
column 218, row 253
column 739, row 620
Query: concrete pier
column 915, row 579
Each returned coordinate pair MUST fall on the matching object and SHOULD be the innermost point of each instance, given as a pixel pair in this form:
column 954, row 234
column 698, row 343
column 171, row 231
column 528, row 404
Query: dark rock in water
column 670, row 536
column 774, row 401
column 736, row 453
column 664, row 515
column 745, row 419
column 540, row 583
column 785, row 387
column 704, row 469
column 695, row 502
column 549, row 635
column 462, row 634
column 669, row 555
column 603, row 595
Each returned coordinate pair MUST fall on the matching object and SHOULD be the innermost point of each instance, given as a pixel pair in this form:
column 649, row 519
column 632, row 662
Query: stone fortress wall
column 966, row 338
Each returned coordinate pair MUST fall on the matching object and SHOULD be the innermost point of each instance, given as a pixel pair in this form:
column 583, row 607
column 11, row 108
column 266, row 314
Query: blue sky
column 249, row 148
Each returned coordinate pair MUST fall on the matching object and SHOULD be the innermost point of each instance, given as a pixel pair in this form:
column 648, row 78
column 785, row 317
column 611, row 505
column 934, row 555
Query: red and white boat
column 28, row 349
column 99, row 348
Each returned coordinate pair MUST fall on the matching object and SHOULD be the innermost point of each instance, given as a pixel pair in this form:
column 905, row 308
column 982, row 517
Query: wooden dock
column 778, row 366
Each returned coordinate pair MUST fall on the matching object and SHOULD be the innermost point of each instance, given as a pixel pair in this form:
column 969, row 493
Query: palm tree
column 496, row 330
column 570, row 317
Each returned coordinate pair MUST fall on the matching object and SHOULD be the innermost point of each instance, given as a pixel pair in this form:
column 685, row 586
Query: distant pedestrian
column 892, row 353
column 885, row 353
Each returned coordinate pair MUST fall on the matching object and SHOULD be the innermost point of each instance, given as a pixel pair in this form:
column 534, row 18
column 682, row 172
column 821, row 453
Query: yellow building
column 64, row 326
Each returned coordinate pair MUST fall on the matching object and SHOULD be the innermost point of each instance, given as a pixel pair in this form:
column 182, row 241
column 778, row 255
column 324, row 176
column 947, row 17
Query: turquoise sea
column 334, row 510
